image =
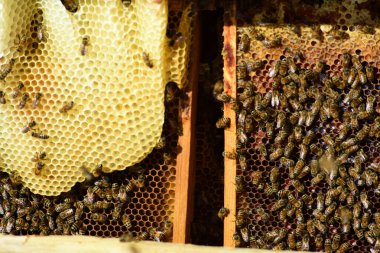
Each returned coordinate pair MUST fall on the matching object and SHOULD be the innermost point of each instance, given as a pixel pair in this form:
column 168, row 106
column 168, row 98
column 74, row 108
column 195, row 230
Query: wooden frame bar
column 229, row 53
column 185, row 178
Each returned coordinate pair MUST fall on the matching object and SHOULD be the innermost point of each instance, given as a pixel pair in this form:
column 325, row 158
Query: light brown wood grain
column 183, row 209
column 88, row 244
column 229, row 55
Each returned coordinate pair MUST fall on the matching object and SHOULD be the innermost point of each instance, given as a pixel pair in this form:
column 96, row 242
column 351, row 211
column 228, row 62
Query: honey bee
column 297, row 169
column 237, row 240
column 29, row 126
column 67, row 107
column 7, row 69
column 276, row 154
column 241, row 70
column 70, row 5
column 101, row 218
column 257, row 177
column 16, row 91
column 275, row 69
column 278, row 205
column 344, row 247
column 24, row 99
column 223, row 212
column 269, row 128
column 310, row 228
column 365, row 220
column 241, row 218
column 38, row 168
column 286, row 162
column 318, row 178
column 276, row 42
column 320, row 226
column 37, row 99
column 39, row 156
column 319, row 215
column 370, row 73
column 230, row 155
column 244, row 43
column 253, row 66
column 126, row 221
column 239, row 184
column 317, row 32
column 303, row 151
column 40, row 135
column 289, row 149
column 370, row 104
column 364, row 200
column 223, row 122
column 274, row 174
column 84, row 45
column 66, row 213
column 291, row 240
column 2, row 98
column 224, row 97
column 41, row 35
column 244, row 234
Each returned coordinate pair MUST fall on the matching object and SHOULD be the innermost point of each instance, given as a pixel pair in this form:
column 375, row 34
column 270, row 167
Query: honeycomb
column 116, row 83
column 341, row 31
column 149, row 208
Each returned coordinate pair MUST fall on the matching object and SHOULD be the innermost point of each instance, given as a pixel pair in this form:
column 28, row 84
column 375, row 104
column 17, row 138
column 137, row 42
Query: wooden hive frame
column 184, row 179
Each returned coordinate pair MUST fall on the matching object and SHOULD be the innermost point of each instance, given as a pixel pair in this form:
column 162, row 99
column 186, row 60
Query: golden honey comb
column 118, row 100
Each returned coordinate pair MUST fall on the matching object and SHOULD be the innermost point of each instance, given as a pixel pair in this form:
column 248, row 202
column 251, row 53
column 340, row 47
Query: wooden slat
column 88, row 244
column 183, row 207
column 229, row 53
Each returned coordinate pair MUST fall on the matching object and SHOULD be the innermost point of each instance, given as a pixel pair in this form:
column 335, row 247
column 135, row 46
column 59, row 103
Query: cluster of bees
column 322, row 179
column 24, row 212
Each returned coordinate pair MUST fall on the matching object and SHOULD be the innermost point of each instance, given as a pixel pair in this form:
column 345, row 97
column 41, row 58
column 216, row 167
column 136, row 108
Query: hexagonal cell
column 315, row 78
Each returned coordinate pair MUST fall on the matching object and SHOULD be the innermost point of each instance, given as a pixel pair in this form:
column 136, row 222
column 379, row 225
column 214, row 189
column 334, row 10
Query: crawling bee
column 253, row 66
column 148, row 62
column 67, row 107
column 38, row 168
column 344, row 247
column 244, row 43
column 126, row 221
column 223, row 213
column 116, row 211
column 37, row 100
column 101, row 218
column 263, row 215
column 239, row 184
column 241, row 218
column 41, row 33
column 66, row 213
column 370, row 73
column 70, row 5
column 7, row 69
column 84, row 45
column 40, row 135
column 291, row 240
column 237, row 240
column 278, row 205
column 24, row 99
column 364, row 200
column 276, row 42
column 2, row 98
column 16, row 91
column 257, row 177
column 276, row 154
column 39, row 156
column 223, row 122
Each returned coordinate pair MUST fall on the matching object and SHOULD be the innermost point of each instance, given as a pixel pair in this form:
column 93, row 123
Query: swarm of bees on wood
column 103, row 198
column 22, row 212
column 322, row 182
